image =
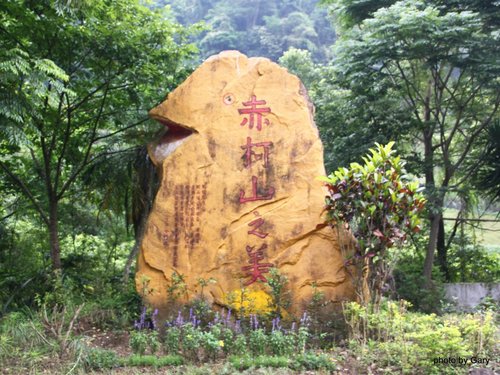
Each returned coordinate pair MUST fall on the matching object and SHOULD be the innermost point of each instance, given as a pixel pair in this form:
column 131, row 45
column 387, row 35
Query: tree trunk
column 431, row 248
column 55, row 250
column 434, row 201
column 442, row 251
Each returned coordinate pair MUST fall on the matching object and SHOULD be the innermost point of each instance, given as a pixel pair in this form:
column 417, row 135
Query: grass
column 306, row 361
column 487, row 233
column 152, row 360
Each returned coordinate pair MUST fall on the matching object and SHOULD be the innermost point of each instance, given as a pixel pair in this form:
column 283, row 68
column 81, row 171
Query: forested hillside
column 258, row 28
column 77, row 79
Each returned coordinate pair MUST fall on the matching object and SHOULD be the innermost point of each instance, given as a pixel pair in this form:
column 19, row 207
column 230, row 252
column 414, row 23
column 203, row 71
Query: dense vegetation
column 76, row 81
column 258, row 28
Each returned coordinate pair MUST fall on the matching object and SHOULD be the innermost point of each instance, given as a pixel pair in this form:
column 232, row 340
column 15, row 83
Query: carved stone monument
column 239, row 192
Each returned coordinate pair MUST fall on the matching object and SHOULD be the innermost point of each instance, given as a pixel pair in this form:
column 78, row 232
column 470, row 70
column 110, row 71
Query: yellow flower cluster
column 249, row 301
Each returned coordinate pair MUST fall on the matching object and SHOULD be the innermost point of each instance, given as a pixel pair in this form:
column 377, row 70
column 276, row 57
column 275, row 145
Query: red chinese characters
column 256, row 224
column 256, row 269
column 254, row 113
column 256, row 152
column 257, row 194
column 250, row 155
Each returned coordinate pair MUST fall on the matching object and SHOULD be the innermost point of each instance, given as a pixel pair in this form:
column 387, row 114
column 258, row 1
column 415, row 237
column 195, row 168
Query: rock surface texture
column 239, row 192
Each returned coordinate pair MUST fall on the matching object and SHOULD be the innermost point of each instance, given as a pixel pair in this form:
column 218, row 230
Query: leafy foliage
column 258, row 28
column 404, row 342
column 378, row 200
column 74, row 95
column 434, row 66
column 379, row 203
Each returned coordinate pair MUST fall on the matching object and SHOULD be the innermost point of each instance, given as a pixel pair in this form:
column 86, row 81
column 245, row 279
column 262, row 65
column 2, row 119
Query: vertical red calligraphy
column 250, row 155
column 254, row 113
column 256, row 224
column 256, row 269
column 256, row 195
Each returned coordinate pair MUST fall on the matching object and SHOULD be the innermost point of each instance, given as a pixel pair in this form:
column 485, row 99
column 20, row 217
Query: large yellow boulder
column 239, row 193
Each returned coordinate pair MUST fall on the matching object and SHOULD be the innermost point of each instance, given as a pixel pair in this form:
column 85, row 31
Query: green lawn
column 487, row 233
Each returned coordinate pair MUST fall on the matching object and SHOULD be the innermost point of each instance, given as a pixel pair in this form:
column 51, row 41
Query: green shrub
column 312, row 361
column 239, row 346
column 381, row 204
column 411, row 285
column 472, row 263
column 172, row 339
column 281, row 344
column 257, row 341
column 408, row 342
column 99, row 359
column 153, row 342
column 6, row 347
column 142, row 340
column 192, row 341
column 22, row 331
column 300, row 338
column 279, row 291
column 211, row 344
column 139, row 342
column 227, row 340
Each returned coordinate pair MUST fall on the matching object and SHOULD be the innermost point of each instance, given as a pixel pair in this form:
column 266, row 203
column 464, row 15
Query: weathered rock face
column 239, row 192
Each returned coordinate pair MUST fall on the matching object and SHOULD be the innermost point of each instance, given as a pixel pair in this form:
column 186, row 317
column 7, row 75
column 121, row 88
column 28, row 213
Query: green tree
column 299, row 62
column 441, row 60
column 76, row 84
column 381, row 205
column 257, row 28
column 487, row 176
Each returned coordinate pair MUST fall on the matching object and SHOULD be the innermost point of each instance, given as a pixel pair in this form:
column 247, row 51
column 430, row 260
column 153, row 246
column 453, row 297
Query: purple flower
column 254, row 323
column 141, row 323
column 278, row 326
column 305, row 319
column 154, row 321
column 180, row 320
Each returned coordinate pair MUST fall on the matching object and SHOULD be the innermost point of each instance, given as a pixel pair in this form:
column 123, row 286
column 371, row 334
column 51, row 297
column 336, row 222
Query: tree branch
column 91, row 141
column 475, row 134
column 67, row 133
column 121, row 130
column 26, row 191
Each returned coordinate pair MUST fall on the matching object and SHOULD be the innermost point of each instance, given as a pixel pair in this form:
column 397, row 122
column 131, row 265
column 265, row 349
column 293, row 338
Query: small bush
column 172, row 339
column 257, row 340
column 139, row 342
column 407, row 342
column 410, row 284
column 312, row 361
column 239, row 345
column 281, row 344
column 100, row 359
column 192, row 341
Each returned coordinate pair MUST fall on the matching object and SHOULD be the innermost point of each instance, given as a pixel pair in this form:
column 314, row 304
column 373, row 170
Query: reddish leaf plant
column 380, row 204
